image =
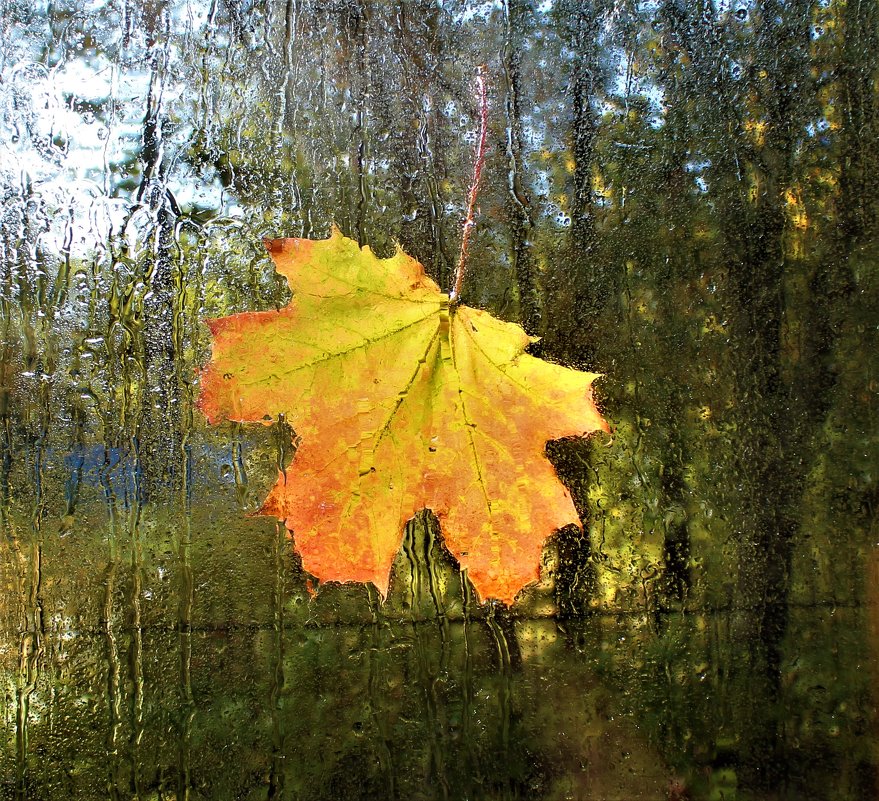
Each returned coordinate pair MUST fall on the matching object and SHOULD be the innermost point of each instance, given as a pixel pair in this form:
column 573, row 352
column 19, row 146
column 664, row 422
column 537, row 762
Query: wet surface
column 683, row 199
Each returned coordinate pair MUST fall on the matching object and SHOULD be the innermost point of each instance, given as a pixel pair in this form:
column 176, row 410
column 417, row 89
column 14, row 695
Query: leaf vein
column 342, row 353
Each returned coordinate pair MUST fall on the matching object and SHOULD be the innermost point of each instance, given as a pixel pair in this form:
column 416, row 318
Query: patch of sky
column 656, row 97
column 531, row 133
column 604, row 107
column 88, row 79
column 697, row 167
column 648, row 6
column 481, row 11
column 541, row 181
column 190, row 13
column 91, row 6
column 69, row 141
column 19, row 41
column 626, row 84
column 819, row 130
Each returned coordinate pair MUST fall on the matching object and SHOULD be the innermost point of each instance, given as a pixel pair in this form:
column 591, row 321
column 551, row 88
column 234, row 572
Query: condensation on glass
column 682, row 196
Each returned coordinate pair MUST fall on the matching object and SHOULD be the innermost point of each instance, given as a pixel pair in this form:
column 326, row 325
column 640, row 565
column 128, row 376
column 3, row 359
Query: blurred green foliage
column 680, row 195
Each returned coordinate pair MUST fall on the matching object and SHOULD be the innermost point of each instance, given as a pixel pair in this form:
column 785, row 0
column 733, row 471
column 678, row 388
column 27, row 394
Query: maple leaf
column 401, row 402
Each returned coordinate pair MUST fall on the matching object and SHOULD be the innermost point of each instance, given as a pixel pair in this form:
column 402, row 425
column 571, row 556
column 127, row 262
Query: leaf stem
column 478, row 163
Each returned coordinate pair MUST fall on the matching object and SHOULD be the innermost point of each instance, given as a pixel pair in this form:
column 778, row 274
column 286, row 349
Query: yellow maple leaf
column 401, row 402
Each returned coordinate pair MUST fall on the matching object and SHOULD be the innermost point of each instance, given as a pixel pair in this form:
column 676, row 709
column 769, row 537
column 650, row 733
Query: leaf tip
column 381, row 587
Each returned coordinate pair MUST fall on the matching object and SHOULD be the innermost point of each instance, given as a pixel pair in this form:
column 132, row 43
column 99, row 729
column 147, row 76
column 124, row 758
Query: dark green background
column 679, row 194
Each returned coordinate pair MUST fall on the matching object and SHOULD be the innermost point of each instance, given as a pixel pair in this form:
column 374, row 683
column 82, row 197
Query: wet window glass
column 439, row 399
